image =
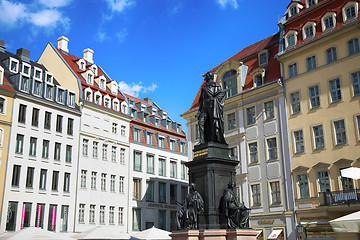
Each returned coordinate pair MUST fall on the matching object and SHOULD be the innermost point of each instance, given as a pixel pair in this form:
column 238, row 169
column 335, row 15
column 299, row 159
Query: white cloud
column 232, row 3
column 55, row 3
column 45, row 18
column 135, row 89
column 174, row 9
column 119, row 5
column 11, row 12
column 122, row 35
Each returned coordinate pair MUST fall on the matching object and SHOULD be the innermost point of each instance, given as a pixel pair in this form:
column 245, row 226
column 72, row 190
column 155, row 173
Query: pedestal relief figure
column 211, row 111
column 187, row 217
column 232, row 213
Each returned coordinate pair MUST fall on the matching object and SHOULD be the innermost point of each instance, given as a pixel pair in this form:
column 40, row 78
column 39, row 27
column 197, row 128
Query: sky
column 153, row 48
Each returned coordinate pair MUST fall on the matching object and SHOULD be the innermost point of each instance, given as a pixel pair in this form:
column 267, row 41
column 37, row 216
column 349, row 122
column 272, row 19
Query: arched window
column 353, row 46
column 230, row 83
column 331, row 55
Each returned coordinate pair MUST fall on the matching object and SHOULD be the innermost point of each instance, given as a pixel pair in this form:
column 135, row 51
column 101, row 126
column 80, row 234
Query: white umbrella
column 105, row 232
column 351, row 172
column 33, row 233
column 347, row 223
column 153, row 234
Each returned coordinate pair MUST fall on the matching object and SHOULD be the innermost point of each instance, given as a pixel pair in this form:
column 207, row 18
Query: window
column 137, row 135
column 231, row 121
column 350, row 11
column 24, row 83
column 60, row 95
column 137, row 161
column 88, row 95
column 102, row 214
column 102, row 83
column 162, row 192
column 149, row 191
column 311, row 63
column 16, row 176
column 14, row 65
column 121, row 184
column 112, row 183
column 356, row 83
column 271, row 148
column 103, row 182
column 162, row 142
column 149, row 138
column 269, row 110
column 137, row 189
column 303, row 186
column 37, row 73
column 331, row 55
column 89, row 78
column 19, row 144
column 11, row 216
column 70, row 126
column 95, row 149
column 35, row 117
column 346, row 183
column 42, row 184
column 250, row 115
column 83, row 178
column 182, row 147
column 275, row 192
column 340, row 133
column 37, row 87
column 295, row 102
column 183, row 171
column 49, row 91
column 121, row 216
column 22, row 113
column 318, row 137
column 93, row 180
column 81, row 213
column 122, row 155
column 45, row 149
column 111, row 214
column 32, row 150
column 30, row 177
column 353, row 46
column 258, row 80
column 52, row 218
column 233, row 153
column 149, row 163
column 71, row 99
column 262, row 59
column 292, row 70
column 57, row 151
column 173, row 146
column 173, row 169
column 162, row 219
column 113, row 154
column 328, row 21
column 107, row 101
column 123, row 131
column 290, row 40
column 308, row 31
column 162, row 167
column 55, row 181
column 68, row 153
column 40, row 215
column 114, row 128
column 253, row 152
column 2, row 105
column 299, row 141
column 255, row 195
column 230, row 83
column 59, row 120
column 311, row 3
column 323, row 181
column 314, row 96
column 92, row 214
column 85, row 147
column 173, row 194
column 26, row 213
column 136, row 219
column 47, row 120
column 335, row 90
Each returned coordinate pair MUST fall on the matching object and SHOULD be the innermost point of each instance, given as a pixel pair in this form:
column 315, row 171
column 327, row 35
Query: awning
column 347, row 223
column 351, row 172
column 275, row 234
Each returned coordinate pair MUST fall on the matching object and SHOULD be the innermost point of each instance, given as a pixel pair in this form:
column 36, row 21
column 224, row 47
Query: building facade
column 255, row 120
column 41, row 169
column 320, row 65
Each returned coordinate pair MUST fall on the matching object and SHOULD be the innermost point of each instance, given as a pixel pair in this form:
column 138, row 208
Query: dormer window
column 178, row 129
column 310, row 3
column 258, row 76
column 143, row 108
column 49, row 91
column 308, row 30
column 90, row 77
column 168, row 125
column 107, row 101
column 157, row 122
column 230, row 83
column 290, row 39
column 26, row 69
column 102, row 83
column 124, row 107
column 146, row 118
column 88, row 94
column 131, row 103
column 94, row 69
column 37, row 73
column 60, row 95
column 328, row 21
column 154, row 111
column 82, row 64
column 24, row 83
column 114, row 87
column 258, row 80
column 164, row 115
column 13, row 65
column 48, row 77
column 97, row 98
column 350, row 11
column 37, row 87
column 293, row 11
column 71, row 99
column 263, row 58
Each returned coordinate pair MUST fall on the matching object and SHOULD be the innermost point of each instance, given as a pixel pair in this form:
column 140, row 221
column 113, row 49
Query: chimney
column 24, row 54
column 149, row 100
column 2, row 45
column 88, row 55
column 63, row 43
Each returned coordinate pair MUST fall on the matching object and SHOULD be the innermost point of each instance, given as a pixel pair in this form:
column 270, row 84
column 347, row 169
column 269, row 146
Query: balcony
column 340, row 197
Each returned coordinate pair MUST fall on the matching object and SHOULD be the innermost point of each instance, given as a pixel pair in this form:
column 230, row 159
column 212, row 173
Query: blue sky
column 154, row 48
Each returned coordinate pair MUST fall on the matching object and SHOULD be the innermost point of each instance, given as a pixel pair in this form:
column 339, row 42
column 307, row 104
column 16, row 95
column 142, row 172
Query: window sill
column 58, row 134
column 45, row 160
column 256, row 207
column 15, row 189
column 276, row 205
column 272, row 160
column 253, row 164
column 57, row 162
column 32, row 158
column 34, row 128
column 18, row 155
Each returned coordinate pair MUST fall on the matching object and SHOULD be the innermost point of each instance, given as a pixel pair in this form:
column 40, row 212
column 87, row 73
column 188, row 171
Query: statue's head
column 231, row 185
column 209, row 76
column 192, row 187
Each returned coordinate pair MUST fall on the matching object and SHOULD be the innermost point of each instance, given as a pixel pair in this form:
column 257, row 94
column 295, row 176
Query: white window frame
column 270, row 192
column 40, row 86
column 5, row 105
column 89, row 72
column 21, row 80
column 114, row 87
column 274, row 110
column 297, row 6
column 357, row 126
column 51, row 78
column 116, row 108
column 334, row 132
column 251, row 195
column 307, row 3
column 313, row 136
column 91, row 94
column 2, row 131
column 291, row 105
column 94, row 69
column 296, row 67
column 352, row 83
column 308, row 24
column 69, row 92
column 98, row 94
column 11, row 59
column 246, row 115
column 81, row 60
column 327, row 15
column 267, row 57
column 291, row 32
column 34, row 73
column 107, row 97
column 57, row 92
column 124, row 107
column 257, row 152
column 46, row 87
column 349, row 4
column 329, row 92
column 298, row 151
column 310, row 97
column 267, row 148
column 2, row 75
column 22, row 68
column 102, row 82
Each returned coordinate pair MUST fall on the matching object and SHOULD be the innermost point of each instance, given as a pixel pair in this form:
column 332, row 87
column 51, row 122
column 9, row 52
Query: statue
column 187, row 217
column 232, row 213
column 211, row 111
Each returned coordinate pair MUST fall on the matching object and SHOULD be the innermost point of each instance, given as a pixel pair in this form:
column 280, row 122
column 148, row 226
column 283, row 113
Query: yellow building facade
column 322, row 72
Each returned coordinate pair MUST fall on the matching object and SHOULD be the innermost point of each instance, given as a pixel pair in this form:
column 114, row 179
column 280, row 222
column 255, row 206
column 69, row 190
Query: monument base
column 214, row 234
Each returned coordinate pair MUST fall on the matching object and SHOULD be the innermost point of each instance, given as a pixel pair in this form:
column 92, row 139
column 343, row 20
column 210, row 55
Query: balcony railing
column 340, row 197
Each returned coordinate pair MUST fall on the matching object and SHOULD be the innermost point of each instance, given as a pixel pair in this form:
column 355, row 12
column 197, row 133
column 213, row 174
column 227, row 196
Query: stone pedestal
column 211, row 170
column 215, row 234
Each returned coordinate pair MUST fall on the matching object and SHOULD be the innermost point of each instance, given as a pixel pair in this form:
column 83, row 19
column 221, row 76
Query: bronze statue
column 187, row 217
column 232, row 213
column 211, row 111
